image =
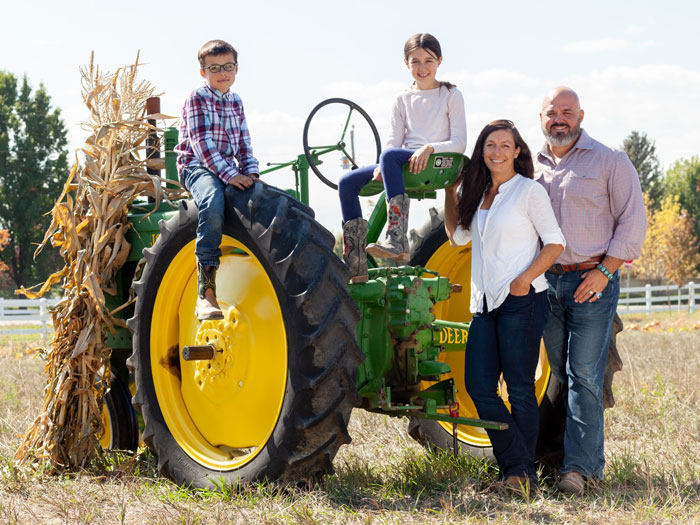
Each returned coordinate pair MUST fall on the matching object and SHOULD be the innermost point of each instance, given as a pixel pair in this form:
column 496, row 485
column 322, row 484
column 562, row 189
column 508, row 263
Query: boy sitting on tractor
column 214, row 151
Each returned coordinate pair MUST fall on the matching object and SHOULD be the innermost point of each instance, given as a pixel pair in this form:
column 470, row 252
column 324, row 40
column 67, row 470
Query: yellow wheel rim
column 105, row 436
column 222, row 411
column 455, row 263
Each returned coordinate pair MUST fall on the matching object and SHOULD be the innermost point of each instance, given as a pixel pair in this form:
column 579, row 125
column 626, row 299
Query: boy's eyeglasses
column 215, row 68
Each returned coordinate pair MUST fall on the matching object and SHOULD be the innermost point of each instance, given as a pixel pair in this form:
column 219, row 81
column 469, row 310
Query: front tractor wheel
column 275, row 399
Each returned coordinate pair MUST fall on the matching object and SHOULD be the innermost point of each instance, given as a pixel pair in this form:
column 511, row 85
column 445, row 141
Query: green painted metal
column 400, row 337
column 300, row 167
column 144, row 226
column 169, row 143
column 377, row 220
column 441, row 171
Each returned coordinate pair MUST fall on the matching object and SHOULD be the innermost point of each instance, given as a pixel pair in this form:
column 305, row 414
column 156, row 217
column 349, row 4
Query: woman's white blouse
column 506, row 240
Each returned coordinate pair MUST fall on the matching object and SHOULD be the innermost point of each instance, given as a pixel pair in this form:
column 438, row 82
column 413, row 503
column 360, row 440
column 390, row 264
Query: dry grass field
column 652, row 473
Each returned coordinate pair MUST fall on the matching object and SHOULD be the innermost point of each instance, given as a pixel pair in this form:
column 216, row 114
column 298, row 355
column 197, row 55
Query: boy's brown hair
column 215, row 48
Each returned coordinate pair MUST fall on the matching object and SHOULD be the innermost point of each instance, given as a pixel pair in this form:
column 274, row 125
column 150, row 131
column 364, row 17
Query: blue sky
column 635, row 65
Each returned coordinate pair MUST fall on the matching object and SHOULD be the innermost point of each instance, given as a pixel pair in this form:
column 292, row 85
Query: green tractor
column 267, row 392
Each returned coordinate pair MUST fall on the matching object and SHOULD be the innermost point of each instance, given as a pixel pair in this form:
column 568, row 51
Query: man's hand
column 419, row 160
column 593, row 283
column 377, row 174
column 242, row 182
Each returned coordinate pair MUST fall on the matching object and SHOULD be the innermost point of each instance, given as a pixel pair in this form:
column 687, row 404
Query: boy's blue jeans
column 507, row 340
column 391, row 162
column 208, row 192
column 577, row 338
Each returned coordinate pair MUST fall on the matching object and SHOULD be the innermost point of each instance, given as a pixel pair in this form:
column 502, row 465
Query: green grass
column 652, row 473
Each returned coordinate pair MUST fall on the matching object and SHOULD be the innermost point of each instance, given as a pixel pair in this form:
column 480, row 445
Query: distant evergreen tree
column 642, row 152
column 33, row 167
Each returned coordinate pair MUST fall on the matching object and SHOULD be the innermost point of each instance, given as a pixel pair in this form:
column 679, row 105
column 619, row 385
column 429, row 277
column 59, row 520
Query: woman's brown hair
column 477, row 177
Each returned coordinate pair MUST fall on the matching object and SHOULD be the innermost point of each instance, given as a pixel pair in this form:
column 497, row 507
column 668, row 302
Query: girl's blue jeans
column 507, row 340
column 208, row 192
column 577, row 337
column 391, row 163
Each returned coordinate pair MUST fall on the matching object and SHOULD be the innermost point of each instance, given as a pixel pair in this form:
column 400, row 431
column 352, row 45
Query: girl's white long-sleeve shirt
column 429, row 116
column 506, row 241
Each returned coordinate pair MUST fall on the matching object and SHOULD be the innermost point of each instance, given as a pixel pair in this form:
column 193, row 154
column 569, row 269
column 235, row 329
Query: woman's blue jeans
column 577, row 337
column 391, row 163
column 208, row 192
column 507, row 340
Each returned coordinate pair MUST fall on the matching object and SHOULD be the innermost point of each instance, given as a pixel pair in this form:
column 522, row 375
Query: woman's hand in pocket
column 519, row 286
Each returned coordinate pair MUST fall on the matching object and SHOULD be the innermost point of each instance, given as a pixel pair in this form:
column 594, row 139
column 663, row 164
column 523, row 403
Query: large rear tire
column 275, row 401
column 431, row 249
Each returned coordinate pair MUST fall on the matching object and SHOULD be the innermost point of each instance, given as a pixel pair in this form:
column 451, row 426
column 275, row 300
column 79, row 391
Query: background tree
column 670, row 250
column 33, row 166
column 683, row 181
column 642, row 152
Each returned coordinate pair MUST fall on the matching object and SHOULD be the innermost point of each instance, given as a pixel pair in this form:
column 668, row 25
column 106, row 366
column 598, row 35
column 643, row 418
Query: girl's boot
column 354, row 241
column 396, row 244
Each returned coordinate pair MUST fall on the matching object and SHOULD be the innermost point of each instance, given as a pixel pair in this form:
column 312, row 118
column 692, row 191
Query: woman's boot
column 354, row 241
column 396, row 244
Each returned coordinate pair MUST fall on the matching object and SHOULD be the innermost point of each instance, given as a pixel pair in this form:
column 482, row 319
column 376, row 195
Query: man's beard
column 557, row 140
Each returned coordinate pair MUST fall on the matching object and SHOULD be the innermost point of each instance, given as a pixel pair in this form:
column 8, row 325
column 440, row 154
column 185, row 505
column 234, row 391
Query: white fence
column 665, row 297
column 33, row 312
column 635, row 299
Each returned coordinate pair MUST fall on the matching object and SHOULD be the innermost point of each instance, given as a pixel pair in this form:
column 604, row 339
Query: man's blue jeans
column 577, row 338
column 507, row 340
column 391, row 162
column 208, row 192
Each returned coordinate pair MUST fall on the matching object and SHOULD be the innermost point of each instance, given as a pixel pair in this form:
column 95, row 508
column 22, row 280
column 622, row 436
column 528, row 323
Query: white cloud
column 635, row 29
column 601, row 45
column 500, row 78
column 659, row 99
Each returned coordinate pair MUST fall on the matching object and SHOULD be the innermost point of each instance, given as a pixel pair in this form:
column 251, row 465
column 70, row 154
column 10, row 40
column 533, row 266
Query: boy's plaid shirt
column 214, row 132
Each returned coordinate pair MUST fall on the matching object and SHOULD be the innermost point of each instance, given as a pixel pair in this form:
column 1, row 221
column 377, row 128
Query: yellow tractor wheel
column 275, row 399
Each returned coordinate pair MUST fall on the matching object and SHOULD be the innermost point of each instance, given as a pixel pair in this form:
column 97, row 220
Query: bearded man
column 597, row 199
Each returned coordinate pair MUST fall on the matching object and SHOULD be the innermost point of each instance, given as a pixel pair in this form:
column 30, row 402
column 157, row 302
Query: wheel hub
column 219, row 334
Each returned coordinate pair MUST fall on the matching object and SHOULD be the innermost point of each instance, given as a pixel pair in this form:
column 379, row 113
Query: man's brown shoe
column 572, row 483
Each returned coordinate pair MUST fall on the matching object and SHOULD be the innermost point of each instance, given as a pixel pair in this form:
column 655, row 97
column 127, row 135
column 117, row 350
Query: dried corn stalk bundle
column 89, row 226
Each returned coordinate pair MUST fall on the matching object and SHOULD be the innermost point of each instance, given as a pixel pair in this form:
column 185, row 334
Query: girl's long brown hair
column 430, row 44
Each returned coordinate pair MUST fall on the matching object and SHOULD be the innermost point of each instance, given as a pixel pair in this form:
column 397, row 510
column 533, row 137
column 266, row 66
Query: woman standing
column 506, row 215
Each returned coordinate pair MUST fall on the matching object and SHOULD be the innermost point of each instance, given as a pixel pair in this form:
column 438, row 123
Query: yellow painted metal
column 455, row 263
column 221, row 411
column 105, row 437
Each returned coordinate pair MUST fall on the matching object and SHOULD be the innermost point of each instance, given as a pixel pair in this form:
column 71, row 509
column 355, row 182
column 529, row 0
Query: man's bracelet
column 605, row 271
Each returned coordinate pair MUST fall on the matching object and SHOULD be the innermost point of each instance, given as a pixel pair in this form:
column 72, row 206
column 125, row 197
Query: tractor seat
column 441, row 171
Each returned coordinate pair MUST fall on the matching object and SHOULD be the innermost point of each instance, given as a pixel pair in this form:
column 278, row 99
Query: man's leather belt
column 561, row 269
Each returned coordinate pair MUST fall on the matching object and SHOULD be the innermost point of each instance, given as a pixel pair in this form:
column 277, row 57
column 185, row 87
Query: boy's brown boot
column 207, row 308
column 354, row 241
column 396, row 244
